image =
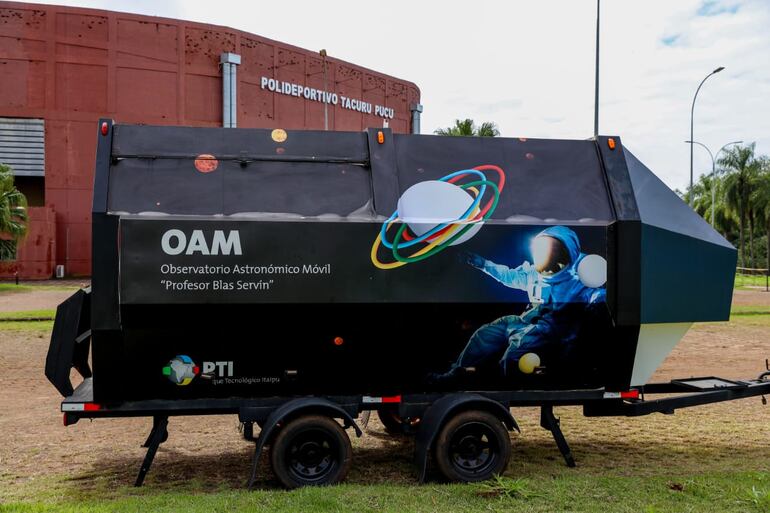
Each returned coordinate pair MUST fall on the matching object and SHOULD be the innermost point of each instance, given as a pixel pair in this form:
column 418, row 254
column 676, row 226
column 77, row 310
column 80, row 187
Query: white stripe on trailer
column 389, row 399
column 612, row 395
column 65, row 407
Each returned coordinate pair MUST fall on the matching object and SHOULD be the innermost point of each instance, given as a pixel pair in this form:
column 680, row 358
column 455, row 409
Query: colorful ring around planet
column 442, row 235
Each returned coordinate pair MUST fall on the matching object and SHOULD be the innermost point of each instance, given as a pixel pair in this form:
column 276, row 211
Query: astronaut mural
column 563, row 285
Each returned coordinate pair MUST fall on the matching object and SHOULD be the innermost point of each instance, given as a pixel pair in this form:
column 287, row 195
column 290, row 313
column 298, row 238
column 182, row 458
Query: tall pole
column 596, row 88
column 692, row 125
column 713, row 174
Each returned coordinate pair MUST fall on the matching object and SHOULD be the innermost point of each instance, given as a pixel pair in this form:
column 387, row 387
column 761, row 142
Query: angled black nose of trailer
column 70, row 341
column 687, row 267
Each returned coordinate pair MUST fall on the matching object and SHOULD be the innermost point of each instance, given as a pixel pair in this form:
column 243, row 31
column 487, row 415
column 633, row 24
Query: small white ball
column 592, row 271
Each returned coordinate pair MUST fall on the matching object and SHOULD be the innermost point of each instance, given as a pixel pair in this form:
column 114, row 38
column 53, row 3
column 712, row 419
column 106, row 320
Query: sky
column 529, row 65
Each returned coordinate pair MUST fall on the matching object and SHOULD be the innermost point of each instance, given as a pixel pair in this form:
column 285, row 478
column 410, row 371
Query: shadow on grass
column 174, row 470
column 391, row 463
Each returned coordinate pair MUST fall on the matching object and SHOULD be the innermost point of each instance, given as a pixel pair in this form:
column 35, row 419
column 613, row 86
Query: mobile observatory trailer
column 298, row 278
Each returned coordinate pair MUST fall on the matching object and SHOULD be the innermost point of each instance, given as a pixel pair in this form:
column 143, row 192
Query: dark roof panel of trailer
column 544, row 179
column 313, row 174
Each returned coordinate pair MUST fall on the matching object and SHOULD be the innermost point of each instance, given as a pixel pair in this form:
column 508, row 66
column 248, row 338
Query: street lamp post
column 692, row 115
column 596, row 83
column 713, row 174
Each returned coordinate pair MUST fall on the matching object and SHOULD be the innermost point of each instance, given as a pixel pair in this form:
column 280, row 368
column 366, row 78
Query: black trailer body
column 266, row 273
column 264, row 261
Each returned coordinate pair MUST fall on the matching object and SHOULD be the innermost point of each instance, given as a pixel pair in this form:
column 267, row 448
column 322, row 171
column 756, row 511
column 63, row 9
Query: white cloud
column 529, row 66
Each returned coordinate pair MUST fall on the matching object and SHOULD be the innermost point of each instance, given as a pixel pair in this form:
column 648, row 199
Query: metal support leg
column 551, row 423
column 158, row 435
column 155, row 422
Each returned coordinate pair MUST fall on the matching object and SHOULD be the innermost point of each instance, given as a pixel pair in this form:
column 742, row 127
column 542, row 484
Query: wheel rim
column 312, row 455
column 473, row 449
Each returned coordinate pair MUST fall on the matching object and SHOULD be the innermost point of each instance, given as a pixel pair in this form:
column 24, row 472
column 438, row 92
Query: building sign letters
column 319, row 95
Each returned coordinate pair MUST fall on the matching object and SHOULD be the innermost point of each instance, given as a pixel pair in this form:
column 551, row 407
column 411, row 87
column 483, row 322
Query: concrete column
column 416, row 111
column 229, row 62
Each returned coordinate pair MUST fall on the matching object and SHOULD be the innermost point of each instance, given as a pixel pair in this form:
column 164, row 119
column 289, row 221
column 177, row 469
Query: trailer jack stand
column 551, row 423
column 157, row 436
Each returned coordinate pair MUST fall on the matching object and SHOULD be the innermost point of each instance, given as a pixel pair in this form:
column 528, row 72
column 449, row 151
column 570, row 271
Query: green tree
column 466, row 127
column 724, row 219
column 13, row 214
column 741, row 169
column 761, row 201
column 701, row 196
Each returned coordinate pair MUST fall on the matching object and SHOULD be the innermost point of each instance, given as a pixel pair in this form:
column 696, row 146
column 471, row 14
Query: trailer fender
column 443, row 409
column 289, row 410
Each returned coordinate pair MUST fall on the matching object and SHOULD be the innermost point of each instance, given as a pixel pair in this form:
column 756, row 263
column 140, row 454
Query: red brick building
column 62, row 68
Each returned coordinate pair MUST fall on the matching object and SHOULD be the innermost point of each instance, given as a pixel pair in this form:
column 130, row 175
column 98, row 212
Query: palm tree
column 701, row 195
column 761, row 200
column 13, row 214
column 751, row 215
column 724, row 220
column 741, row 169
column 466, row 127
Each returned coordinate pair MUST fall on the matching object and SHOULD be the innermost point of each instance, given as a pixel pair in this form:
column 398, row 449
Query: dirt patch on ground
column 728, row 350
column 209, row 450
column 33, row 300
column 751, row 297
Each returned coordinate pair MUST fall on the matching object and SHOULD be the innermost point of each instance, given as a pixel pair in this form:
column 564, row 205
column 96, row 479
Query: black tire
column 311, row 451
column 395, row 424
column 472, row 446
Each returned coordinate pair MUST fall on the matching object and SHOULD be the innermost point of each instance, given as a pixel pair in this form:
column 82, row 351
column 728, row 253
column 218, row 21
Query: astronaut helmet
column 550, row 255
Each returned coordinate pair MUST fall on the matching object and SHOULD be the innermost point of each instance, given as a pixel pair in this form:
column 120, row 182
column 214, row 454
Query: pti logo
column 181, row 370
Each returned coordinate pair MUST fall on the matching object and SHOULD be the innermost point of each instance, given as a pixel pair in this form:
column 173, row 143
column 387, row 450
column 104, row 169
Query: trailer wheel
column 311, row 451
column 395, row 424
column 472, row 446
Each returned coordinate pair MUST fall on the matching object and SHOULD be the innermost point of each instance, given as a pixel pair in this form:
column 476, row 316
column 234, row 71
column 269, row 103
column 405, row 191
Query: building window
column 22, row 145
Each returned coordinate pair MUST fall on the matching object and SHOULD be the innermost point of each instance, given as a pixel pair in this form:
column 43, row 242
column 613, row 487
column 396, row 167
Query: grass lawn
column 735, row 492
column 751, row 315
column 746, row 281
column 12, row 287
column 42, row 327
column 28, row 315
column 708, row 459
